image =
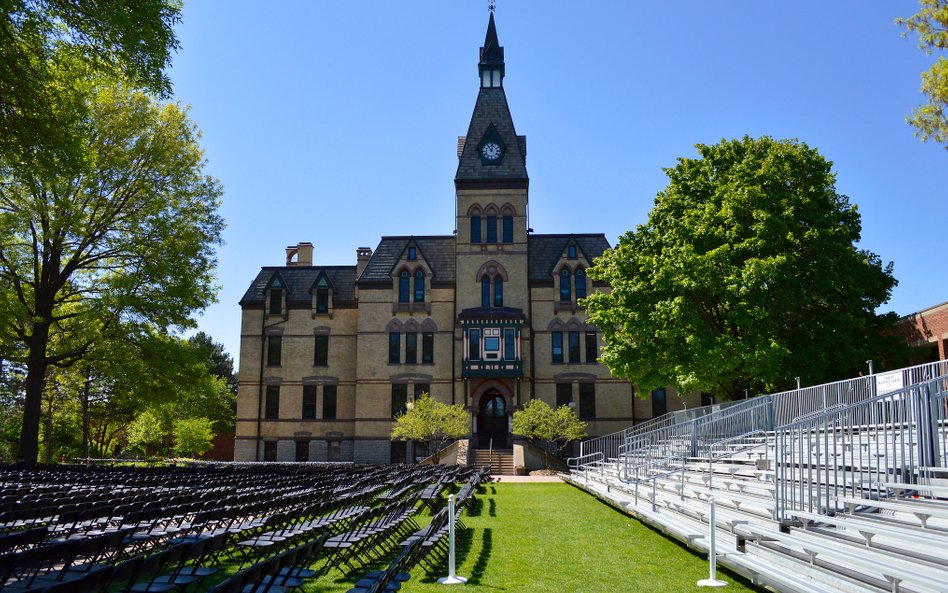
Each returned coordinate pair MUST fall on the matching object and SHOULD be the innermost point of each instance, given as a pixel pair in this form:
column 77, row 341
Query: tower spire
column 491, row 66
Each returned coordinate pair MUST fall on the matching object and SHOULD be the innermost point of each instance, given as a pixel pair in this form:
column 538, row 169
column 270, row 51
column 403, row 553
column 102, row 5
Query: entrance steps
column 501, row 461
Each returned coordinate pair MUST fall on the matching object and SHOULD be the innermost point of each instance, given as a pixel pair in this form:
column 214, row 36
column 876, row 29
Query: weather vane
column 491, row 5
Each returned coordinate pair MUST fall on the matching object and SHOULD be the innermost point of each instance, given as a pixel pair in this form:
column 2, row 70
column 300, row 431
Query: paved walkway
column 527, row 479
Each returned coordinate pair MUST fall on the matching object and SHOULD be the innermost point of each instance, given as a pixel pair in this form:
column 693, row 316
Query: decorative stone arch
column 508, row 210
column 491, row 210
column 556, row 325
column 411, row 325
column 393, row 326
column 475, row 210
column 488, row 386
column 574, row 325
column 428, row 325
column 491, row 269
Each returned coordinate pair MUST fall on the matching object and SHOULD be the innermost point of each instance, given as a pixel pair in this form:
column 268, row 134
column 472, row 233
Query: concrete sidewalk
column 526, row 479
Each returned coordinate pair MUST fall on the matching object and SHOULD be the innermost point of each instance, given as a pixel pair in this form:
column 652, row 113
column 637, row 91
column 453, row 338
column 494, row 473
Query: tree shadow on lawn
column 733, row 576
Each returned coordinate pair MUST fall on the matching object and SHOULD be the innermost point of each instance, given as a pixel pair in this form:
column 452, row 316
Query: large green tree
column 44, row 43
column 550, row 430
column 428, row 420
column 121, row 245
column 746, row 275
column 931, row 24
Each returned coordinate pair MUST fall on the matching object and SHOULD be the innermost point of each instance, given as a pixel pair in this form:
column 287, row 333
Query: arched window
column 419, row 286
column 476, row 227
column 485, row 291
column 492, row 228
column 498, row 292
column 580, row 280
column 404, row 288
column 508, row 229
column 565, row 292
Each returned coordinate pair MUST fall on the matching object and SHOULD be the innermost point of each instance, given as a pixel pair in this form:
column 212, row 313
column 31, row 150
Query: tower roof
column 491, row 122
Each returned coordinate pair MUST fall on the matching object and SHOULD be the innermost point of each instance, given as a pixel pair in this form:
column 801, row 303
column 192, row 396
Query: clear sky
column 337, row 122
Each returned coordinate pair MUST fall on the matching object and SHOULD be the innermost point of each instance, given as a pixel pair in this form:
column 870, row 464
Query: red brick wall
column 927, row 327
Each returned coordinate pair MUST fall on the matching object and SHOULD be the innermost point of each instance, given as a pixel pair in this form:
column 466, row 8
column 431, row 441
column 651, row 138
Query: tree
column 427, row 419
column 222, row 365
column 746, row 275
column 931, row 23
column 192, row 436
column 145, row 432
column 43, row 42
column 549, row 429
column 122, row 246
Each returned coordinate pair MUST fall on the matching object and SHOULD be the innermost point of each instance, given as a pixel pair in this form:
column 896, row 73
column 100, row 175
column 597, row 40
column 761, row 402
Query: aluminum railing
column 852, row 451
column 787, row 407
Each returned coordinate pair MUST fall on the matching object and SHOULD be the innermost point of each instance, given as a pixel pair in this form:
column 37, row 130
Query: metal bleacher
column 836, row 487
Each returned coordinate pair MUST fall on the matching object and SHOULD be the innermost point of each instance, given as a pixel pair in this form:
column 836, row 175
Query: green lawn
column 551, row 537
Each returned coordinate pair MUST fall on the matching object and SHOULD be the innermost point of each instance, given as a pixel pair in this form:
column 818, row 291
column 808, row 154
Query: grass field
column 553, row 538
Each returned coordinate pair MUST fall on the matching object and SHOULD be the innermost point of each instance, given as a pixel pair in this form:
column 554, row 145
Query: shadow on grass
column 466, row 545
column 492, row 508
column 475, row 507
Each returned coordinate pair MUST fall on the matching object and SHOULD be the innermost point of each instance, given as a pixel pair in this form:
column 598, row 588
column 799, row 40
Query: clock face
column 491, row 151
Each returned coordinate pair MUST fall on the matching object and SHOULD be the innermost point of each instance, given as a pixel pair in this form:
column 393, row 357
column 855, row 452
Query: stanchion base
column 711, row 583
column 455, row 580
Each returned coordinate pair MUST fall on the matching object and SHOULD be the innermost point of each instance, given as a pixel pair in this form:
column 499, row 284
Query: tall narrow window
column 412, row 253
column 580, row 279
column 491, row 229
column 474, row 344
column 404, row 288
column 510, row 344
column 427, row 347
column 411, row 347
column 574, row 348
column 421, row 389
column 476, row 228
column 269, row 450
column 271, row 405
column 498, row 292
column 659, row 405
column 419, row 286
column 571, row 252
column 399, row 398
column 322, row 300
column 274, row 350
column 302, row 450
column 329, row 402
column 485, row 292
column 321, row 351
column 394, row 347
column 587, row 400
column 565, row 292
column 564, row 394
column 557, row 340
column 592, row 348
column 276, row 301
column 508, row 229
column 309, row 402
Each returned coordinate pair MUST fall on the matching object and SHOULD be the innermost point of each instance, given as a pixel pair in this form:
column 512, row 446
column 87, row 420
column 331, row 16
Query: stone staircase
column 501, row 461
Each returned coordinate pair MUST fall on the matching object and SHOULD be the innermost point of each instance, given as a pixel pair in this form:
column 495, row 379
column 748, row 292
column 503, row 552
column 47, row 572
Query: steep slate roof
column 491, row 108
column 546, row 251
column 437, row 251
column 299, row 281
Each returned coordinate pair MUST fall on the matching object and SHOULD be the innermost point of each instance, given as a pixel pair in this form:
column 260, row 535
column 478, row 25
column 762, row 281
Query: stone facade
column 486, row 317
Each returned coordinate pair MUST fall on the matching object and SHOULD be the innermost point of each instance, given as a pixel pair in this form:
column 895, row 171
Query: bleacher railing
column 662, row 436
column 853, row 451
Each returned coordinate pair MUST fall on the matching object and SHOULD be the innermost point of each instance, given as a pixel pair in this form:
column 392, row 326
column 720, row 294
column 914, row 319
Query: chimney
column 362, row 258
column 300, row 255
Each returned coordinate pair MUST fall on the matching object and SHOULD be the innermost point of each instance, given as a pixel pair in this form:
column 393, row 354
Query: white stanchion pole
column 451, row 579
column 712, row 580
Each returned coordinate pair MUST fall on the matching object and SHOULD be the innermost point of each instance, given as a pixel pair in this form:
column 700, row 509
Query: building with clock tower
column 487, row 317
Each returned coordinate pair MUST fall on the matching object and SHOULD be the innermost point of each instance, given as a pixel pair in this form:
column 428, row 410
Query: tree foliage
column 120, row 248
column 931, row 24
column 746, row 275
column 192, row 436
column 549, row 429
column 145, row 433
column 429, row 420
column 49, row 49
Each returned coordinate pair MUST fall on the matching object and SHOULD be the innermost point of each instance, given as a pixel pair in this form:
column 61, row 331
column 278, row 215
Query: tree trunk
column 32, row 407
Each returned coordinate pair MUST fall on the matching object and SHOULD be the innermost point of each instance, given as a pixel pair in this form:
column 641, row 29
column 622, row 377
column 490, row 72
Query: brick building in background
column 486, row 316
column 927, row 332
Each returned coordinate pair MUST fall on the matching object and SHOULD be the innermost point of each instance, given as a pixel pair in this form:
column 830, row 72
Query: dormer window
column 322, row 295
column 490, row 79
column 571, row 252
column 412, row 253
column 275, row 296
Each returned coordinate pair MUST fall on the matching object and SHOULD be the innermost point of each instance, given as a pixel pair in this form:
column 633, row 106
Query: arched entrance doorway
column 492, row 420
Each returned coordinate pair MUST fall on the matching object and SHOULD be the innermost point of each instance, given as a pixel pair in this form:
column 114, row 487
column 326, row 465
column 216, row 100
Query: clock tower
column 492, row 264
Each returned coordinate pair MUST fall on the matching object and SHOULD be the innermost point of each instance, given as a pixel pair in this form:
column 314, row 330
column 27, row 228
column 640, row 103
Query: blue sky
column 337, row 122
